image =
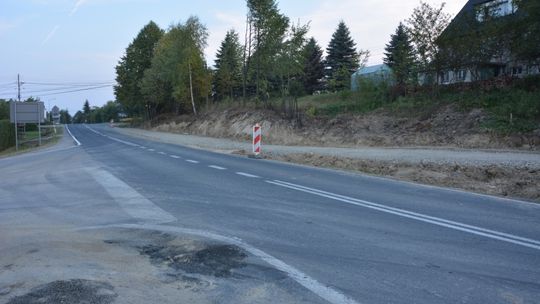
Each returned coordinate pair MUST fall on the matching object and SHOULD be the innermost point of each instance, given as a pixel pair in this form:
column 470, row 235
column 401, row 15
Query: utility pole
column 19, row 87
column 15, row 112
column 191, row 89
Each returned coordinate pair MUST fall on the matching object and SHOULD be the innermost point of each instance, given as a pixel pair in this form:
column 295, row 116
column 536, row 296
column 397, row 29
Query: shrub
column 7, row 134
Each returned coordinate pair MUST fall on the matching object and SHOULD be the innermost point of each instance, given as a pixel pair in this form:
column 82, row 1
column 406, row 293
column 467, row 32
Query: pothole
column 211, row 260
column 71, row 291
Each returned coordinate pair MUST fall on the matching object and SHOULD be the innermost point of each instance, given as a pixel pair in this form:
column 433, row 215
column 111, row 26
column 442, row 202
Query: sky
column 74, row 42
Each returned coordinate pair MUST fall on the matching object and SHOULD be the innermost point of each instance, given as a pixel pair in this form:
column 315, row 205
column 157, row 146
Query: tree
column 178, row 78
column 4, row 109
column 86, row 110
column 424, row 27
column 526, row 30
column 130, row 69
column 78, row 117
column 399, row 55
column 269, row 27
column 65, row 118
column 228, row 74
column 342, row 59
column 313, row 66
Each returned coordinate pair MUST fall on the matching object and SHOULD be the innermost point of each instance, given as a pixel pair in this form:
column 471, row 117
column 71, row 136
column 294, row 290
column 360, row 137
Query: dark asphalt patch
column 212, row 260
column 73, row 292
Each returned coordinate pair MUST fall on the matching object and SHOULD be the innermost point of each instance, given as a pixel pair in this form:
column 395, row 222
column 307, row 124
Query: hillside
column 445, row 126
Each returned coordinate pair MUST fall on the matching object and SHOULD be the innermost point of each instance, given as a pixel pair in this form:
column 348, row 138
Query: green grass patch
column 514, row 108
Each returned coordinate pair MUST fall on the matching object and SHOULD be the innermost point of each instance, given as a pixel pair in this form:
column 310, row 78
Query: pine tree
column 228, row 74
column 130, row 69
column 399, row 55
column 86, row 108
column 313, row 66
column 342, row 59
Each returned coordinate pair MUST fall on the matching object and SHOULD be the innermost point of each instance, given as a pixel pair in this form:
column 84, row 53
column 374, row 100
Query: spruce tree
column 399, row 55
column 342, row 59
column 313, row 66
column 228, row 74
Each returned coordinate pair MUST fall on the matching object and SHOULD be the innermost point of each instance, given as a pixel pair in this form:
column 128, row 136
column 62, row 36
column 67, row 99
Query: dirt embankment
column 517, row 182
column 441, row 127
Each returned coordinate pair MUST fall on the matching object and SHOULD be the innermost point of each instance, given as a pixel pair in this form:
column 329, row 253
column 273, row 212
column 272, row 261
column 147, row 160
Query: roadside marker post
column 257, row 137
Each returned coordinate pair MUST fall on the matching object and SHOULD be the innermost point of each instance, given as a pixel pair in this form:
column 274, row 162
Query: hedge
column 7, row 134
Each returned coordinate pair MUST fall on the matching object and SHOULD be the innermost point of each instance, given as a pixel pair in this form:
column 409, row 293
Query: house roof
column 373, row 69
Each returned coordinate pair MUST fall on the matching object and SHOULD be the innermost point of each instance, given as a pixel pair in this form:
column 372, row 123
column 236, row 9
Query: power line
column 60, row 88
column 73, row 84
column 78, row 90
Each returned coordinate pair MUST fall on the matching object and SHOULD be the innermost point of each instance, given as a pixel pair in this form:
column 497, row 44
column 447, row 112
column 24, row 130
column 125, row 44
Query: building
column 55, row 114
column 377, row 73
column 467, row 56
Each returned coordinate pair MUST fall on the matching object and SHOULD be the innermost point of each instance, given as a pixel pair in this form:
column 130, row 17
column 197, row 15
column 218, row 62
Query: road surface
column 286, row 233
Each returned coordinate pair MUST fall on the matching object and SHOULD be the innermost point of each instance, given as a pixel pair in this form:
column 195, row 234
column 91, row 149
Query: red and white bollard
column 257, row 137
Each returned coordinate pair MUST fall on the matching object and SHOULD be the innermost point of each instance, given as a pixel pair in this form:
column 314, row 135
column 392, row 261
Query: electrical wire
column 77, row 90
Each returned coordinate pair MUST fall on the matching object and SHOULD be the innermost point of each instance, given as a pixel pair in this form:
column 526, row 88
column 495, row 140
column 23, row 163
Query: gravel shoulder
column 502, row 173
column 439, row 156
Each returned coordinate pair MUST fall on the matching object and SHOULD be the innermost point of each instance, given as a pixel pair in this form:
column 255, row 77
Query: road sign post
column 26, row 112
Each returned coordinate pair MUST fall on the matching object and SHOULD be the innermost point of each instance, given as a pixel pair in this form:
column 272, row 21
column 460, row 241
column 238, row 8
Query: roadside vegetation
column 29, row 139
column 275, row 65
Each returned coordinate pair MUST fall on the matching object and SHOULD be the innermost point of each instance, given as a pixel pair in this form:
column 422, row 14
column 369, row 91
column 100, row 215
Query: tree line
column 92, row 114
column 164, row 71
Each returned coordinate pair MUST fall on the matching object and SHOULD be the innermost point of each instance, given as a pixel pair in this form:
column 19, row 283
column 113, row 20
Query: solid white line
column 75, row 139
column 328, row 293
column 416, row 216
column 217, row 167
column 192, row 161
column 175, row 156
column 247, row 175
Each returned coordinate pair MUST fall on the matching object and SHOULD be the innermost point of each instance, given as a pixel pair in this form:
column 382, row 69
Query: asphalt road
column 338, row 237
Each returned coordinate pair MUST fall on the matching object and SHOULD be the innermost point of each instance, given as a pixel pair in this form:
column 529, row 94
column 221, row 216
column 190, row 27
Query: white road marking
column 162, row 153
column 123, row 141
column 151, row 150
column 175, row 156
column 247, row 175
column 75, row 139
column 217, row 167
column 142, row 147
column 331, row 295
column 192, row 161
column 130, row 200
column 501, row 236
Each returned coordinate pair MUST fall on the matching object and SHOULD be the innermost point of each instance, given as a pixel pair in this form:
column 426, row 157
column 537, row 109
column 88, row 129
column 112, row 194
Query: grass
column 511, row 109
column 49, row 138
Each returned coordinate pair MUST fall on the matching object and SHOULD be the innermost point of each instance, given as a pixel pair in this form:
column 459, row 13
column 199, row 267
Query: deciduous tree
column 130, row 70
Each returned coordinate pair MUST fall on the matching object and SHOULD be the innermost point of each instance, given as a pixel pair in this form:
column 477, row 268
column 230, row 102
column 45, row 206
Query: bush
column 7, row 134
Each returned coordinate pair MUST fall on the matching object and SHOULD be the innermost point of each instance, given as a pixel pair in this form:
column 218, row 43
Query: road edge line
column 325, row 292
column 74, row 138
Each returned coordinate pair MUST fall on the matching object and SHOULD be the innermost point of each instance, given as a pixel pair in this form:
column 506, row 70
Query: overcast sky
column 68, row 41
